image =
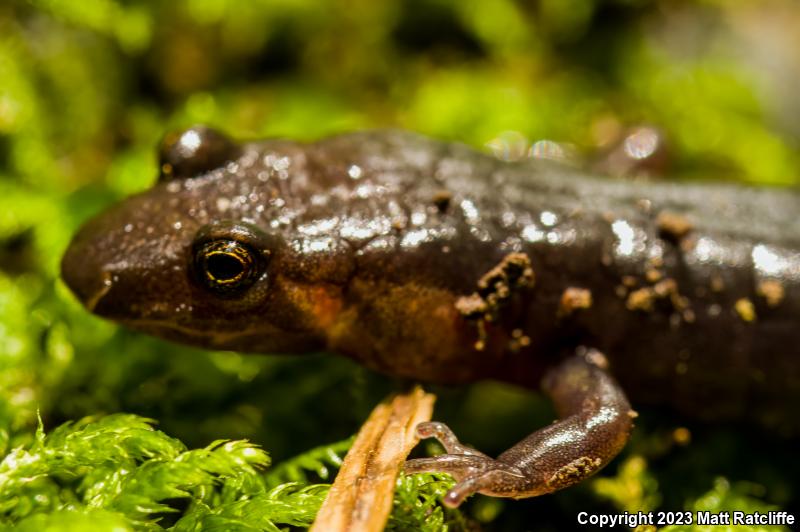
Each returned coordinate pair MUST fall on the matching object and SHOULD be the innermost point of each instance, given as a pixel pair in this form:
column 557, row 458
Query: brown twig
column 361, row 497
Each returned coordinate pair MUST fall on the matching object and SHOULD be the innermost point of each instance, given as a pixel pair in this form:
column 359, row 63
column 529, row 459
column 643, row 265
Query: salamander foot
column 596, row 420
column 474, row 471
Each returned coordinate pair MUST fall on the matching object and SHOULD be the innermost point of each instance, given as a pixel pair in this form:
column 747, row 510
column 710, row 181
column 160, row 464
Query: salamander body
column 432, row 261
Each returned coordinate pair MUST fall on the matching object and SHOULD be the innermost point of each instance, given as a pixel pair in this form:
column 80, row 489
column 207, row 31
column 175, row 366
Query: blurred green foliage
column 88, row 88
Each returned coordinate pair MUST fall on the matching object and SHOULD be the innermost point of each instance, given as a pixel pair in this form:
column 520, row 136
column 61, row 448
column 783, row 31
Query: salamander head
column 208, row 256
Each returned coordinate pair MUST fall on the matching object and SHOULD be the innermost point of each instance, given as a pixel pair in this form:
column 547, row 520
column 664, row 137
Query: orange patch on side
column 321, row 304
column 325, row 305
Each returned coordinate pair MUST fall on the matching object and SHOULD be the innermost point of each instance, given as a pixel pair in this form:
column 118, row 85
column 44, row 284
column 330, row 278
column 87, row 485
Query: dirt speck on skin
column 717, row 284
column 644, row 205
column 472, row 306
column 644, row 299
column 772, row 291
column 574, row 299
column 669, row 288
column 514, row 272
column 441, row 199
column 641, row 299
column 518, row 340
column 494, row 289
column 665, row 288
column 673, row 226
column 745, row 309
column 576, row 470
column 652, row 275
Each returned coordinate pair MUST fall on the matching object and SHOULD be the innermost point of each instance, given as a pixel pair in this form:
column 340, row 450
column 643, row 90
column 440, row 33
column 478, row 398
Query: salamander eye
column 228, row 256
column 226, row 267
column 195, row 151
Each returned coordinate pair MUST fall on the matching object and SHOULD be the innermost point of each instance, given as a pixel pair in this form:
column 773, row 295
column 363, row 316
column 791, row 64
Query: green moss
column 633, row 489
column 118, row 471
column 723, row 497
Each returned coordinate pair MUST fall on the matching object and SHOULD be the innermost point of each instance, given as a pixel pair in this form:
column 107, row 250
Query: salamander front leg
column 595, row 423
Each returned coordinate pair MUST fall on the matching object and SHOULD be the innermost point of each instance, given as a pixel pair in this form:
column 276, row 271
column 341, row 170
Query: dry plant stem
column 361, row 497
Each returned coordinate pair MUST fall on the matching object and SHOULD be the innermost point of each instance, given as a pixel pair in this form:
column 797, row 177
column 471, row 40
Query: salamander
column 432, row 261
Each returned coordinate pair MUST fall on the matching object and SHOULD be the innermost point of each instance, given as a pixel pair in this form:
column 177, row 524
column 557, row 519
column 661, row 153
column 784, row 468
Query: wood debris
column 361, row 496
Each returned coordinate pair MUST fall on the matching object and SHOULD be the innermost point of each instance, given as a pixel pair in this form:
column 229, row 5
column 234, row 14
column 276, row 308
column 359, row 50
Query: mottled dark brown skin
column 432, row 261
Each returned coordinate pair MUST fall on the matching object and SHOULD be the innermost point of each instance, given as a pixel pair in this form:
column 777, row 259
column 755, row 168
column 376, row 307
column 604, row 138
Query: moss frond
column 122, row 465
column 417, row 505
column 322, row 461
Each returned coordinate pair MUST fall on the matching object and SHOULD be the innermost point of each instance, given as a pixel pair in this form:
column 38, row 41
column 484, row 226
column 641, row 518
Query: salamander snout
column 79, row 275
column 128, row 267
